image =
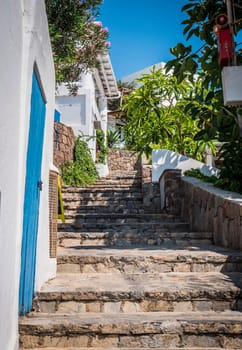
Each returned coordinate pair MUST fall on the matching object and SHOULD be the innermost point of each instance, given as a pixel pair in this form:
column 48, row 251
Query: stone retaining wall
column 151, row 192
column 123, row 160
column 171, row 191
column 64, row 140
column 205, row 207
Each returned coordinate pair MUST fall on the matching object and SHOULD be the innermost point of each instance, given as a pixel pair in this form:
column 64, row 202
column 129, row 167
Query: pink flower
column 107, row 44
column 98, row 23
column 105, row 30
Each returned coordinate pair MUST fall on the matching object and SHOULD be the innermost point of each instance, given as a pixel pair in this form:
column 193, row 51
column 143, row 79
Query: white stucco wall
column 82, row 110
column 24, row 41
column 164, row 159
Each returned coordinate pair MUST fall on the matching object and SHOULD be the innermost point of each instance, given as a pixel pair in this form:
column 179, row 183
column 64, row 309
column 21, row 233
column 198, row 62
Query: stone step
column 102, row 196
column 134, row 208
column 132, row 293
column 119, row 183
column 167, row 236
column 140, row 330
column 148, row 259
column 120, row 348
column 105, row 220
column 108, row 186
column 118, row 190
column 87, row 204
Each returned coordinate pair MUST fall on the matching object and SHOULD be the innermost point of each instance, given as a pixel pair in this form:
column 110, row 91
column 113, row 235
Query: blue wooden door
column 31, row 200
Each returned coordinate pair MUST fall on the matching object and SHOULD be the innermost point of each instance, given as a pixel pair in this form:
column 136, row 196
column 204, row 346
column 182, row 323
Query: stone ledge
column 208, row 187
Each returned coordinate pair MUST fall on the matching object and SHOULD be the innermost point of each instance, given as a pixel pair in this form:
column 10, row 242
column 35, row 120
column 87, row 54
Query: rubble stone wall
column 151, row 191
column 64, row 140
column 123, row 160
column 214, row 210
column 205, row 207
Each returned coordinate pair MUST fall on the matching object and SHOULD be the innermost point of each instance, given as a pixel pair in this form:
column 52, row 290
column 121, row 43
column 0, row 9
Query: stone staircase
column 131, row 278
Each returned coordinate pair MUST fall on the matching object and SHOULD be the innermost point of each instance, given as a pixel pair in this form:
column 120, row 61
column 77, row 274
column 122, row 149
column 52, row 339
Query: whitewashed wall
column 163, row 159
column 82, row 110
column 24, row 40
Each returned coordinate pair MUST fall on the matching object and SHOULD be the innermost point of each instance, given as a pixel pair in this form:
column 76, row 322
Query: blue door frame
column 31, row 198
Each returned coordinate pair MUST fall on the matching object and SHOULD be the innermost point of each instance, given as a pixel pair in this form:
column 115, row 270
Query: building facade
column 87, row 110
column 26, row 126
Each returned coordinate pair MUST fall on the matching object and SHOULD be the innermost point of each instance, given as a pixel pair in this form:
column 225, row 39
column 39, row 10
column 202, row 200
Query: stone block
column 69, row 306
column 104, row 342
column 68, row 268
column 130, row 307
column 112, row 307
column 156, row 306
column 93, row 307
column 183, row 306
column 201, row 341
column 150, row 341
column 202, row 305
column 182, row 267
column 48, row 306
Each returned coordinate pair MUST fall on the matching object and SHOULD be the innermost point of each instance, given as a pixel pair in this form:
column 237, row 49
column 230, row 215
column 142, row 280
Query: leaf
column 187, row 28
column 194, row 31
column 188, row 6
column 200, row 135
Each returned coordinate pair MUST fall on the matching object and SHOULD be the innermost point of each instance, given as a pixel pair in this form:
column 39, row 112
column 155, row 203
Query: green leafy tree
column 75, row 37
column 202, row 65
column 215, row 120
column 156, row 116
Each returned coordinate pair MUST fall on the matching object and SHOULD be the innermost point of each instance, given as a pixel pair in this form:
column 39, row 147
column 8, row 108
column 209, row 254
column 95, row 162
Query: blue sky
column 141, row 32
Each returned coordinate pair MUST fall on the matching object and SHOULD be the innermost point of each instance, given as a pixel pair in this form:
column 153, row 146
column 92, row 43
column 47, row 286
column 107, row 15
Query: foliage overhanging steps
column 132, row 279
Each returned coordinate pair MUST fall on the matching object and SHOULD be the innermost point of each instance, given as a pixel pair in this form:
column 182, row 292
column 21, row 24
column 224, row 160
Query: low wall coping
column 208, row 187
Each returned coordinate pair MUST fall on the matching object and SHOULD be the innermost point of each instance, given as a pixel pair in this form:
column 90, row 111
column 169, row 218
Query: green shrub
column 101, row 147
column 113, row 137
column 82, row 171
column 230, row 177
column 231, row 172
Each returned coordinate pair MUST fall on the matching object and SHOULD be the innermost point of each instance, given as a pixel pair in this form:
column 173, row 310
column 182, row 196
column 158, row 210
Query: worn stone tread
column 193, row 258
column 197, row 253
column 229, row 322
column 143, row 217
column 169, row 286
column 167, row 230
column 120, row 348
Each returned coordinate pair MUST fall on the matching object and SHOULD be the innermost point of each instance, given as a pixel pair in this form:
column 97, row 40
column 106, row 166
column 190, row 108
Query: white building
column 26, row 128
column 136, row 75
column 87, row 111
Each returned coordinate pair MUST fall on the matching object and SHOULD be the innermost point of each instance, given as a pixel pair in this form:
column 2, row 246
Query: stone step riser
column 166, row 341
column 90, row 264
column 120, row 348
column 179, row 335
column 119, row 209
column 80, row 206
column 104, row 188
column 102, row 194
column 125, row 224
column 105, row 185
column 85, row 200
column 70, row 305
column 145, row 235
column 102, row 199
column 171, row 243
